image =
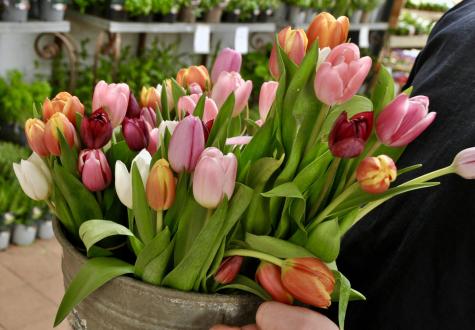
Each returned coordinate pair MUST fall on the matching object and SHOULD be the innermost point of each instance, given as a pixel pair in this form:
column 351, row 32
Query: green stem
column 209, row 213
column 99, row 197
column 326, row 188
column 254, row 254
column 159, row 221
column 317, row 129
column 51, row 207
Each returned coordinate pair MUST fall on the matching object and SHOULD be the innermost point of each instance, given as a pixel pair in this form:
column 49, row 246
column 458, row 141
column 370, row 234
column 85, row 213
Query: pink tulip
column 403, row 120
column 231, row 82
column 195, row 88
column 94, row 170
column 238, row 140
column 293, row 43
column 114, row 98
column 266, row 98
column 214, row 177
column 157, row 135
column 186, row 144
column 228, row 60
column 341, row 75
column 464, row 163
column 188, row 104
column 149, row 117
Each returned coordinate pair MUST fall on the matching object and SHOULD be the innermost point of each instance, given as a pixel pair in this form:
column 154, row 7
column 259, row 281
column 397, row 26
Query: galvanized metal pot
column 128, row 304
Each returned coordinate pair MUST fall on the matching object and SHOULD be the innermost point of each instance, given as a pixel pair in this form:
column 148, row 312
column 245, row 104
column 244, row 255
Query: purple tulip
column 136, row 133
column 96, row 130
column 133, row 108
column 149, row 116
column 228, row 60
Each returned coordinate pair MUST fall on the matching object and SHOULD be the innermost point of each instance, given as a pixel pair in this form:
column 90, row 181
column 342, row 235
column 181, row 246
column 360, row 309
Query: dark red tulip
column 229, row 269
column 133, row 108
column 96, row 130
column 348, row 137
column 136, row 133
column 149, row 116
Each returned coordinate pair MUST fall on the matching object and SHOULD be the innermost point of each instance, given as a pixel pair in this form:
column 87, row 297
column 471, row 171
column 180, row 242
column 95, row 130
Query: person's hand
column 276, row 316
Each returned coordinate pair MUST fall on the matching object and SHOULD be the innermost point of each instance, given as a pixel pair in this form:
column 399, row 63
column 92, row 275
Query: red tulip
column 96, row 130
column 94, row 170
column 375, row 174
column 194, row 74
column 59, row 122
column 35, row 131
column 403, row 120
column 228, row 269
column 309, row 280
column 269, row 277
column 65, row 103
column 329, row 31
column 133, row 108
column 160, row 188
column 228, row 60
column 136, row 133
column 293, row 43
column 348, row 137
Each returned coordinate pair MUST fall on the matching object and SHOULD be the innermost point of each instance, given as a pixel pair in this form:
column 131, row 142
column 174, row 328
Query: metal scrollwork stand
column 52, row 48
column 111, row 47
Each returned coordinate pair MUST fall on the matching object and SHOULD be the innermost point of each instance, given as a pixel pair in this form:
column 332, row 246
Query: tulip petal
column 208, row 181
column 328, row 85
column 391, row 117
column 414, row 132
column 123, row 184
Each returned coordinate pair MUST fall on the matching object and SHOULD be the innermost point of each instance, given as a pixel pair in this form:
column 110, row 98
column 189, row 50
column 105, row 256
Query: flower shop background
column 46, row 48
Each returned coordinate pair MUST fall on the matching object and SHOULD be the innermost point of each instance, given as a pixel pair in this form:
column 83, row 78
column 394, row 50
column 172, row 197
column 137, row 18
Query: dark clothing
column 414, row 257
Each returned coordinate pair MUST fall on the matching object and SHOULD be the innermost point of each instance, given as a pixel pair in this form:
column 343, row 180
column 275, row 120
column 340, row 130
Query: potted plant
column 165, row 10
column 53, row 10
column 15, row 10
column 140, row 10
column 6, row 221
column 213, row 9
column 267, row 9
column 232, row 12
column 117, row 11
column 190, row 9
column 24, row 232
column 45, row 223
column 297, row 12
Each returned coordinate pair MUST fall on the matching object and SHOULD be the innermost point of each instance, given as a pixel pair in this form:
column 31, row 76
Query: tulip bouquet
column 184, row 190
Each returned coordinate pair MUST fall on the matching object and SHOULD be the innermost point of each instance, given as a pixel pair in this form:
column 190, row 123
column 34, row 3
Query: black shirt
column 414, row 257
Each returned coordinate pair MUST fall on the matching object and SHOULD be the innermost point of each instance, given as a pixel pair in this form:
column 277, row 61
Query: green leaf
column 95, row 273
column 69, row 156
column 164, row 112
column 344, row 291
column 120, row 151
column 218, row 134
column 152, row 250
column 93, row 231
column 324, row 241
column 143, row 216
column 288, row 189
column 408, row 169
column 155, row 270
column 306, row 177
column 200, row 107
column 244, row 283
column 64, row 213
column 181, row 200
column 177, row 91
column 383, row 92
column 277, row 247
column 261, row 171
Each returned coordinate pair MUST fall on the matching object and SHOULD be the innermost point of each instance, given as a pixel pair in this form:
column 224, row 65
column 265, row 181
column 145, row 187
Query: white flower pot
column 24, row 235
column 4, row 240
column 45, row 229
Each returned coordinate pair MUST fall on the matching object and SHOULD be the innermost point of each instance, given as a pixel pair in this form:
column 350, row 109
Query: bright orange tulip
column 35, row 131
column 149, row 97
column 309, row 280
column 65, row 103
column 294, row 44
column 269, row 277
column 160, row 187
column 59, row 122
column 194, row 74
column 329, row 31
column 375, row 174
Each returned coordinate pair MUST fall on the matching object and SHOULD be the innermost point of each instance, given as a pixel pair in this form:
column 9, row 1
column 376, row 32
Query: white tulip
column 34, row 177
column 123, row 178
column 322, row 55
column 166, row 124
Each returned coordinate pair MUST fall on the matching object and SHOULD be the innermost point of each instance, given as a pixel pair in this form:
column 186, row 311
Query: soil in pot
column 52, row 11
column 231, row 17
column 144, row 18
column 45, row 229
column 187, row 15
column 15, row 11
column 23, row 234
column 4, row 239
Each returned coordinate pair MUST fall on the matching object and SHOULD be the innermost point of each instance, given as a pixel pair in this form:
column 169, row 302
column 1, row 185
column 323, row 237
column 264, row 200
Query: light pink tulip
column 195, row 88
column 186, row 144
column 238, row 140
column 228, row 60
column 94, row 170
column 464, row 163
column 188, row 104
column 157, row 135
column 266, row 98
column 403, row 120
column 341, row 75
column 231, row 82
column 214, row 177
column 114, row 98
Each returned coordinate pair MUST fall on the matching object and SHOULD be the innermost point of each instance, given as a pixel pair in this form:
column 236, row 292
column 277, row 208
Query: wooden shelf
column 34, row 27
column 418, row 41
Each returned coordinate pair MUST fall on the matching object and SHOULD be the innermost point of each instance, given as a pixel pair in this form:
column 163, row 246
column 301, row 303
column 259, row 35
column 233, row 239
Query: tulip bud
column 348, row 137
column 149, row 116
column 375, row 174
column 309, row 280
column 231, row 82
column 341, row 75
column 266, row 98
column 269, row 277
column 65, row 103
column 464, row 163
column 158, row 134
column 228, row 269
column 186, row 144
column 51, row 138
column 160, row 187
column 228, row 60
column 214, row 177
column 114, row 98
column 329, row 31
column 149, row 98
column 188, row 104
column 293, row 43
column 136, row 133
column 193, row 74
column 170, row 99
column 403, row 120
column 35, row 131
column 34, row 177
column 133, row 108
column 96, row 130
column 94, row 170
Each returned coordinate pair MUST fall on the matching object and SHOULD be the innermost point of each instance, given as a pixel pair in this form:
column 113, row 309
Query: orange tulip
column 269, row 277
column 375, row 174
column 160, row 187
column 65, row 103
column 149, row 98
column 35, row 131
column 194, row 74
column 228, row 269
column 309, row 280
column 294, row 44
column 58, row 121
column 329, row 31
